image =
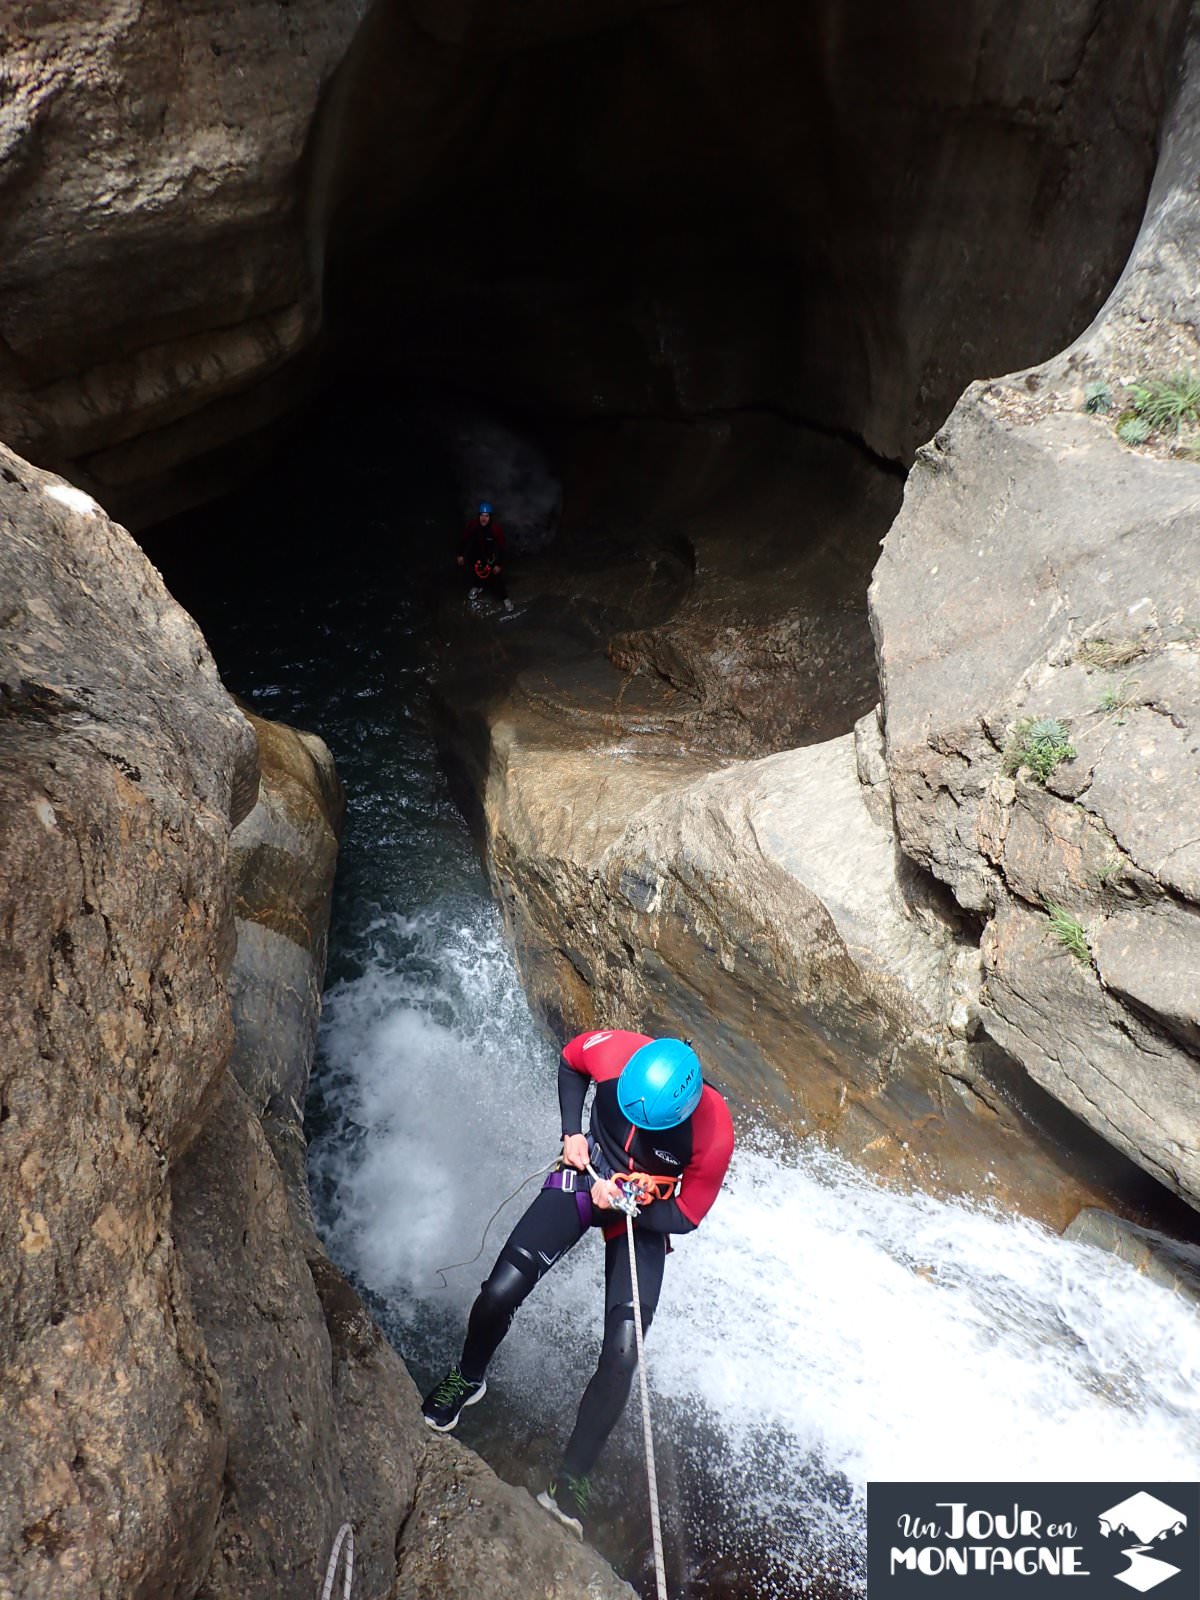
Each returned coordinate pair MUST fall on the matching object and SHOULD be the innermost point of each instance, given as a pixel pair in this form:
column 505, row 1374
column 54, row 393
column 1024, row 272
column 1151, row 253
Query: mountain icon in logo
column 1147, row 1519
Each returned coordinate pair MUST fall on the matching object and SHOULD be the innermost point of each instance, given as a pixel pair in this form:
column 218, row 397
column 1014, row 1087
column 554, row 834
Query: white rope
column 660, row 1573
column 345, row 1534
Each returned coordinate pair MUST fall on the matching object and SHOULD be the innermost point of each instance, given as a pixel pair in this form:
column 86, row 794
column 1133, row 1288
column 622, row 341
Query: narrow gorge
column 807, row 355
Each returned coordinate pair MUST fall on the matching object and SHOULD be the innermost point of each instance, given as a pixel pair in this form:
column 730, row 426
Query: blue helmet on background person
column 660, row 1085
column 485, row 508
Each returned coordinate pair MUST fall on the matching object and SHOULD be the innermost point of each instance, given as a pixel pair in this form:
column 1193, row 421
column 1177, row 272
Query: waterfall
column 818, row 1331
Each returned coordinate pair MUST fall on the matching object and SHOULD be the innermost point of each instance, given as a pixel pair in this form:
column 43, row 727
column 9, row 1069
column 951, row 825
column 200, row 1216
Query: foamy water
column 827, row 1331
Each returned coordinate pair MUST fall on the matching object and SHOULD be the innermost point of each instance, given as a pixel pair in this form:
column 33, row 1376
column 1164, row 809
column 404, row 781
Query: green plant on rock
column 1069, row 932
column 1166, row 404
column 1106, row 876
column 1118, row 699
column 1039, row 744
column 1132, row 429
column 1097, row 396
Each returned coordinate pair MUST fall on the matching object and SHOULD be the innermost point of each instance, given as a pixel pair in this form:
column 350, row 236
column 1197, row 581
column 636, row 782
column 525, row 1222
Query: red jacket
column 479, row 542
column 697, row 1152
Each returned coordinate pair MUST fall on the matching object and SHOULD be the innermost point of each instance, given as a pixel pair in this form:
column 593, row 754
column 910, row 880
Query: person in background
column 482, row 554
column 656, row 1124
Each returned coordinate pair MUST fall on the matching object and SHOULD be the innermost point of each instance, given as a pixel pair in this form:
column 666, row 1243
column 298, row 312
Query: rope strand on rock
column 345, row 1535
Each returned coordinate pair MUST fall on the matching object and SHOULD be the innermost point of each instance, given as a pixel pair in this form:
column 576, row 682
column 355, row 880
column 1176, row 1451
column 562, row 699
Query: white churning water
column 816, row 1320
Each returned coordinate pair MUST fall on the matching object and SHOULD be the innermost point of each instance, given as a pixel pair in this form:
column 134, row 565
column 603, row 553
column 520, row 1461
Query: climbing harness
column 345, row 1535
column 442, row 1271
column 629, row 1206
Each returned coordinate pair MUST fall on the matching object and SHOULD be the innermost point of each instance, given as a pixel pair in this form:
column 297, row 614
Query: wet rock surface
column 1163, row 1260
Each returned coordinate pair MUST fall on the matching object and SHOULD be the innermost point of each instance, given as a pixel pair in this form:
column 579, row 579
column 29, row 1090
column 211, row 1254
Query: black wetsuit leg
column 546, row 1232
column 605, row 1396
column 495, row 586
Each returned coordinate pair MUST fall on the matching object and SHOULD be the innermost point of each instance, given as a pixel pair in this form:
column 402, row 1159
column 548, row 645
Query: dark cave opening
column 723, row 267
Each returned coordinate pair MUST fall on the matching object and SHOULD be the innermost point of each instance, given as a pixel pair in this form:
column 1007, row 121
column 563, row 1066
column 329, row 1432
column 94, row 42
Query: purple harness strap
column 577, row 1183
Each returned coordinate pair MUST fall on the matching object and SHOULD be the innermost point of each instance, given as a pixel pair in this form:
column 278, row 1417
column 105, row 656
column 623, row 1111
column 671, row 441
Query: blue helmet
column 485, row 508
column 660, row 1085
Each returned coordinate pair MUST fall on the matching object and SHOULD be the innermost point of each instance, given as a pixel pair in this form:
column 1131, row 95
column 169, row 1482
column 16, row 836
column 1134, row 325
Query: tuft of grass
column 1132, row 429
column 1106, row 876
column 1069, row 932
column 1165, row 404
column 1097, row 396
column 1118, row 699
column 1110, row 653
column 1039, row 744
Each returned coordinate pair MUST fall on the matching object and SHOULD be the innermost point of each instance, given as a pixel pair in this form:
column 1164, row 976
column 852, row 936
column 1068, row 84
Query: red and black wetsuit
column 483, row 549
column 697, row 1152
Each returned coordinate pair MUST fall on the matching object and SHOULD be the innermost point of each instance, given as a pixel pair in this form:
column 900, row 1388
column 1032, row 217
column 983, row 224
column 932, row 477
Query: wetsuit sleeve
column 572, row 1092
column 712, row 1150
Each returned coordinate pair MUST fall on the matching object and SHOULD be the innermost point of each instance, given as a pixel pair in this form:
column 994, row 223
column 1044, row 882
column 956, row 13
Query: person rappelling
column 658, row 1145
column 482, row 554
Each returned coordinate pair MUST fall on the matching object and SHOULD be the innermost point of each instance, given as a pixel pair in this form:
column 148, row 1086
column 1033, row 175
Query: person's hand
column 497, row 568
column 458, row 561
column 605, row 1194
column 575, row 1151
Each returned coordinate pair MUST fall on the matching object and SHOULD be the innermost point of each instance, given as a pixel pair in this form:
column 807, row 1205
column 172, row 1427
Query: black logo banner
column 1043, row 1541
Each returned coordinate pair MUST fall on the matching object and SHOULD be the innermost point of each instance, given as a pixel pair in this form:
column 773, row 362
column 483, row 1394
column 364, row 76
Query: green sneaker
column 441, row 1406
column 567, row 1500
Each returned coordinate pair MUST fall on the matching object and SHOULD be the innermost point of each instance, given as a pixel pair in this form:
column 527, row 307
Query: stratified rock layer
column 1040, row 568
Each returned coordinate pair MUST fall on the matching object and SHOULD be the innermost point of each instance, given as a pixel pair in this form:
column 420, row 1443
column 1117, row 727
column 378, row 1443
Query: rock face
column 763, row 910
column 198, row 1398
column 161, row 260
column 1040, row 568
column 121, row 756
column 689, row 209
column 838, row 214
column 282, row 860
